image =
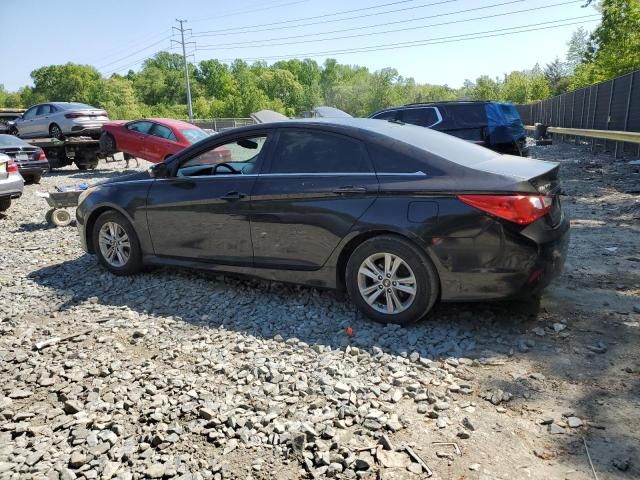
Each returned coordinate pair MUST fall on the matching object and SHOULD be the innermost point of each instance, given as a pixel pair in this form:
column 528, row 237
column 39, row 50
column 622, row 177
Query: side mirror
column 160, row 170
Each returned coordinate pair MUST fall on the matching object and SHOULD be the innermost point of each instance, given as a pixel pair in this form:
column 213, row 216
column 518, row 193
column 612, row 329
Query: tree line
column 295, row 86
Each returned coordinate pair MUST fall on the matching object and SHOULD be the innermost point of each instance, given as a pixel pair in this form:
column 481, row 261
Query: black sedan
column 31, row 161
column 398, row 215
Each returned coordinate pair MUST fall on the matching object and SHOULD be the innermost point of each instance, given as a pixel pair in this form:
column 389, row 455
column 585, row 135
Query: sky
column 423, row 39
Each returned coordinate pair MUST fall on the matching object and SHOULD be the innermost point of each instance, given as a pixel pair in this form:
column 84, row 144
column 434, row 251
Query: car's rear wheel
column 5, row 203
column 116, row 244
column 55, row 131
column 391, row 281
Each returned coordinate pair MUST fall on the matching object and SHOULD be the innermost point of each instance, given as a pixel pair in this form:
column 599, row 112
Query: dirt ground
column 525, row 391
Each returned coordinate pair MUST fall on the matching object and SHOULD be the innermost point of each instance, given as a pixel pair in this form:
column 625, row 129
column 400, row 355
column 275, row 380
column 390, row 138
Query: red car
column 153, row 139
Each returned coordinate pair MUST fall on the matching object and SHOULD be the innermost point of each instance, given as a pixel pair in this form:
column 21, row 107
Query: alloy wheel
column 387, row 283
column 114, row 244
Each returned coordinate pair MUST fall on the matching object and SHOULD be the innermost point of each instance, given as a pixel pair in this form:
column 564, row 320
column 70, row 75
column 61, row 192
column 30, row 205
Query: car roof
column 445, row 146
column 170, row 122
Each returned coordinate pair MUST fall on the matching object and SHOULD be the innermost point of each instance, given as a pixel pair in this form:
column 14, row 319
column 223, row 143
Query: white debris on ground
column 175, row 374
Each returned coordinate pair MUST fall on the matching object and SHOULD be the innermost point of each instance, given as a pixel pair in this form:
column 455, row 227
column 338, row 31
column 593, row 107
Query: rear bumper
column 11, row 187
column 505, row 264
column 33, row 168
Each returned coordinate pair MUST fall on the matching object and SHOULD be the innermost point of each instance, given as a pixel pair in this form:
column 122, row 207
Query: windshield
column 11, row 141
column 194, row 135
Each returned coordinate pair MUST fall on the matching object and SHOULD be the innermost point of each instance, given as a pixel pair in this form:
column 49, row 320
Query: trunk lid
column 534, row 176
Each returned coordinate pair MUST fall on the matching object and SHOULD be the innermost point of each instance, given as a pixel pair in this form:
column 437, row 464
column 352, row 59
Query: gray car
column 59, row 119
column 11, row 183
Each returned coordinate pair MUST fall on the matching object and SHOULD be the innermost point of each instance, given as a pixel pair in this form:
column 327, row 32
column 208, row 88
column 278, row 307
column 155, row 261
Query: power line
column 432, row 41
column 244, row 30
column 252, row 10
column 134, row 53
column 350, row 29
column 260, row 43
column 139, row 40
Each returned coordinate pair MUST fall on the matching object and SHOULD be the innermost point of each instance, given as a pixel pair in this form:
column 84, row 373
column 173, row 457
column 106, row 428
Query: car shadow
column 266, row 309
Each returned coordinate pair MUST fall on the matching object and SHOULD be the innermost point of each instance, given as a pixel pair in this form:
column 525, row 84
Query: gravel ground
column 175, row 374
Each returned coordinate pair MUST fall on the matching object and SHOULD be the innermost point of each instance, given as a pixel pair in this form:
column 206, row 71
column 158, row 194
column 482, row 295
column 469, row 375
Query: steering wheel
column 225, row 165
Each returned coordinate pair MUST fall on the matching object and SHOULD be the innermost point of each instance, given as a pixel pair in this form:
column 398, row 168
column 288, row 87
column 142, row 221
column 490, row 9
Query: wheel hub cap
column 387, row 283
column 114, row 244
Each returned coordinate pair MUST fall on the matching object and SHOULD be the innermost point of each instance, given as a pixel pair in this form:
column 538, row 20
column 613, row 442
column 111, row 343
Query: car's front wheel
column 391, row 281
column 116, row 244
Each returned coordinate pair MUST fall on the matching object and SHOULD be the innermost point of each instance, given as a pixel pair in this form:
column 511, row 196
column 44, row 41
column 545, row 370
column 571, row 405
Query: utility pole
column 186, row 66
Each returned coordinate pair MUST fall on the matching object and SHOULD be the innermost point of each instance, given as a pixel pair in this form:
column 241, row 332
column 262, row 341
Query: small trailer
column 84, row 152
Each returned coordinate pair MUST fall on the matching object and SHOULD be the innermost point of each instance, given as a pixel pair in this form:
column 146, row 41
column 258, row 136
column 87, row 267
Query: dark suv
column 491, row 124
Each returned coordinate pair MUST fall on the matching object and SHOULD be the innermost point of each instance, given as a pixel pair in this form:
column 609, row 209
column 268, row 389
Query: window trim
column 269, row 164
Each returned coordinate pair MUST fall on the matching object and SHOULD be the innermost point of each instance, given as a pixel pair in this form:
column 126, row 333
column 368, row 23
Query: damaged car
column 400, row 217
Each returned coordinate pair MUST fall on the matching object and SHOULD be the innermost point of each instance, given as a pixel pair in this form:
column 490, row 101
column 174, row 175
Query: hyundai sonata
column 399, row 216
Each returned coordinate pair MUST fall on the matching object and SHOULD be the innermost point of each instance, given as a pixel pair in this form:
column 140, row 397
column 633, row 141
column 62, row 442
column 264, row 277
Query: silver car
column 59, row 119
column 11, row 183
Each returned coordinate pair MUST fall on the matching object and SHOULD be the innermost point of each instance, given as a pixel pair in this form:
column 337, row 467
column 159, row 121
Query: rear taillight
column 520, row 209
column 12, row 167
column 74, row 115
column 42, row 156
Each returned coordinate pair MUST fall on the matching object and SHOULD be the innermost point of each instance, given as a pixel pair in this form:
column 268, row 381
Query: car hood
column 126, row 178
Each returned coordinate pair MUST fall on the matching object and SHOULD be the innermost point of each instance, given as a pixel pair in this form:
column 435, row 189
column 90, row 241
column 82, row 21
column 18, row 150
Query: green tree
column 69, row 83
column 578, row 46
column 556, row 74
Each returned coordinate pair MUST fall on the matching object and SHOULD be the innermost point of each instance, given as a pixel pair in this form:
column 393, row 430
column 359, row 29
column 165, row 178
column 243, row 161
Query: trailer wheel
column 60, row 217
column 81, row 166
column 55, row 131
column 49, row 216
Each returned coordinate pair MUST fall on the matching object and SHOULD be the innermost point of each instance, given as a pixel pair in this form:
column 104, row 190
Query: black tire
column 82, row 166
column 107, row 143
column 49, row 216
column 31, row 179
column 55, row 131
column 427, row 284
column 13, row 131
column 5, row 203
column 134, row 263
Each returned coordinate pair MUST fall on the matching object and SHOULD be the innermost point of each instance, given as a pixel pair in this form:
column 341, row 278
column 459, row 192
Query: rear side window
column 390, row 115
column 162, row 132
column 305, row 151
column 387, row 160
column 423, row 117
column 44, row 110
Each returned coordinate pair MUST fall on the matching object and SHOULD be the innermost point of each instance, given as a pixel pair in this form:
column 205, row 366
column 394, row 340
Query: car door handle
column 233, row 196
column 350, row 190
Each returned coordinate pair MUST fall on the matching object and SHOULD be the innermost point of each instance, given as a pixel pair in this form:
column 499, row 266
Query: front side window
column 140, row 127
column 304, row 152
column 30, row 113
column 162, row 131
column 239, row 156
column 423, row 117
